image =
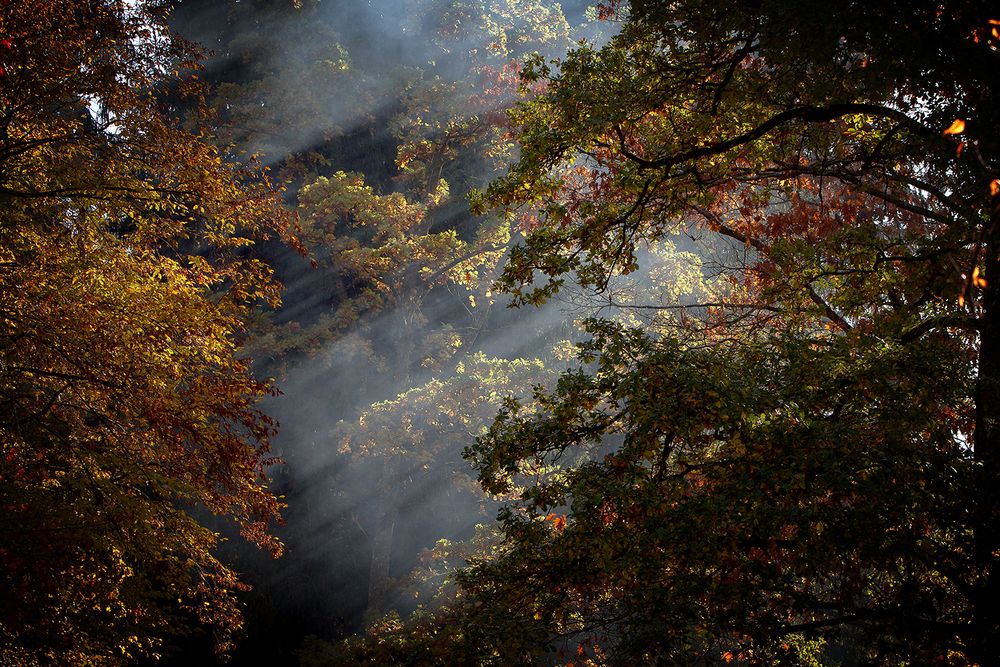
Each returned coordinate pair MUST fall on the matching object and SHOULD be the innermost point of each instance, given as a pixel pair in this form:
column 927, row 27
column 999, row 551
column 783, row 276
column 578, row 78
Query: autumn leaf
column 977, row 278
column 957, row 127
column 126, row 280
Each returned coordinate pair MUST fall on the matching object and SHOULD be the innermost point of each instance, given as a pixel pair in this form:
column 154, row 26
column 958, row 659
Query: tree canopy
column 778, row 443
column 801, row 469
column 807, row 468
column 127, row 414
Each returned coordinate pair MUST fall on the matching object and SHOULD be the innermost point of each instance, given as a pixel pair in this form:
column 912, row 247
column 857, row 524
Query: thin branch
column 458, row 260
column 830, row 312
column 686, row 306
column 726, row 230
column 64, row 376
column 953, row 321
column 809, row 114
column 738, row 57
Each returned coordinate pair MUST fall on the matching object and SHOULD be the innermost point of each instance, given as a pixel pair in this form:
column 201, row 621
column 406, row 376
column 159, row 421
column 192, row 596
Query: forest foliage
column 802, row 468
column 125, row 285
column 773, row 435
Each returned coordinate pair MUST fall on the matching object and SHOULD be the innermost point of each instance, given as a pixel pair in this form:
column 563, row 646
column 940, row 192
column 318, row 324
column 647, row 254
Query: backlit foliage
column 126, row 411
column 813, row 456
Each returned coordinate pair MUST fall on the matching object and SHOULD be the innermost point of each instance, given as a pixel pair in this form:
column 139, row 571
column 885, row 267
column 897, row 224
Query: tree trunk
column 986, row 623
column 390, row 481
column 379, row 581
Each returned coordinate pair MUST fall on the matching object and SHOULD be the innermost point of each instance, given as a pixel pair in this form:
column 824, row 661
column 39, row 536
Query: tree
column 368, row 115
column 391, row 259
column 127, row 412
column 419, row 436
column 806, row 468
column 396, row 255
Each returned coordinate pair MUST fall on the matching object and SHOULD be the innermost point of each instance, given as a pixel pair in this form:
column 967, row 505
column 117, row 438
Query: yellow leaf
column 977, row 279
column 957, row 127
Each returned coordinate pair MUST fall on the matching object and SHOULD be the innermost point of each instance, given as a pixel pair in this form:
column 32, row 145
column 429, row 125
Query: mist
column 310, row 89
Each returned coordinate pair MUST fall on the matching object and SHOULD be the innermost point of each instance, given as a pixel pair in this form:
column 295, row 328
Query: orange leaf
column 728, row 656
column 957, row 127
column 995, row 187
column 977, row 279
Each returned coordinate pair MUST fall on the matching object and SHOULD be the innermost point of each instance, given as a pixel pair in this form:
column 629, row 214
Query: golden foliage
column 123, row 290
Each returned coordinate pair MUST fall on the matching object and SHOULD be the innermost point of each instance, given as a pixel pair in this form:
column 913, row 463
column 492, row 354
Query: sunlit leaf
column 957, row 127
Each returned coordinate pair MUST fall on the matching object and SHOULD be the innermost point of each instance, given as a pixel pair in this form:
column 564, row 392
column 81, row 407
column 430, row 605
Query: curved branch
column 941, row 321
column 809, row 114
column 726, row 230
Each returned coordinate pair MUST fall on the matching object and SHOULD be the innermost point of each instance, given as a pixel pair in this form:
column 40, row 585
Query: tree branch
column 951, row 320
column 809, row 114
